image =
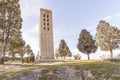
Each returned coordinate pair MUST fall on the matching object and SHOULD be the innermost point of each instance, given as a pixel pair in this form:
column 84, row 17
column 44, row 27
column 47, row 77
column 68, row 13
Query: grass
column 98, row 68
column 10, row 73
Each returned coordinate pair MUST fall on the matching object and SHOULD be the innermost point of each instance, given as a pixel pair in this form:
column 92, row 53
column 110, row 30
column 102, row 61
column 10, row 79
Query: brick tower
column 46, row 35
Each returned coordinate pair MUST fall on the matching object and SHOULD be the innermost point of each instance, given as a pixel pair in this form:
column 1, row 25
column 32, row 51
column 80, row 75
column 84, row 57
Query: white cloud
column 107, row 18
column 111, row 17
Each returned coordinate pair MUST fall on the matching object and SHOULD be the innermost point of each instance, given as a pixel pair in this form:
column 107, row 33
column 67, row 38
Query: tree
column 63, row 49
column 28, row 49
column 57, row 55
column 38, row 56
column 21, row 53
column 77, row 57
column 10, row 22
column 107, row 37
column 69, row 54
column 16, row 45
column 31, row 56
column 86, row 44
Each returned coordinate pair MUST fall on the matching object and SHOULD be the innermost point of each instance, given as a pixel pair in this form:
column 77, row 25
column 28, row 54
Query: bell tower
column 46, row 35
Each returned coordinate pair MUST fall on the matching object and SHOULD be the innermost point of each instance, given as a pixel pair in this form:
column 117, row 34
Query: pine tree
column 63, row 49
column 86, row 44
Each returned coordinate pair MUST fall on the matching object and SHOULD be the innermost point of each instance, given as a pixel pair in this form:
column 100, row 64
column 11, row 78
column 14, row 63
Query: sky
column 69, row 18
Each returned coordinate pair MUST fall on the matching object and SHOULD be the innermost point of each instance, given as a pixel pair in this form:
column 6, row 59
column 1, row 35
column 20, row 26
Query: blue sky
column 69, row 17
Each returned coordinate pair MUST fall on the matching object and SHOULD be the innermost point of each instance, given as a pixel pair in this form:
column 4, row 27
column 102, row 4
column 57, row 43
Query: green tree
column 16, row 45
column 29, row 52
column 57, row 55
column 10, row 22
column 38, row 56
column 107, row 37
column 21, row 53
column 69, row 53
column 63, row 49
column 86, row 43
column 28, row 49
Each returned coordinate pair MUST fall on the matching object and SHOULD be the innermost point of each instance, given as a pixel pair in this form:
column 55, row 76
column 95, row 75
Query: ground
column 97, row 68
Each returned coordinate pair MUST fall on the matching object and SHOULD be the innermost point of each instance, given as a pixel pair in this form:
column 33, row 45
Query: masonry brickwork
column 46, row 35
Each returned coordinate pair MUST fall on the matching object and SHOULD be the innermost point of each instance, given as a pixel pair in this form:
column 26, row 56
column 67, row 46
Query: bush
column 1, row 60
column 29, row 59
column 7, row 59
column 114, row 60
column 77, row 57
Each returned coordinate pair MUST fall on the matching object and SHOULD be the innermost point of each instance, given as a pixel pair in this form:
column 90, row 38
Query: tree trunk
column 5, row 47
column 61, row 57
column 13, row 56
column 22, row 60
column 111, row 54
column 1, row 60
column 64, row 57
column 88, row 56
column 70, row 57
column 1, row 56
column 3, row 15
column 4, row 44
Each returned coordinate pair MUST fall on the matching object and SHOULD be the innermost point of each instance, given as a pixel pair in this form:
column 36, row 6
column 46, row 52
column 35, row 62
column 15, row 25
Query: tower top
column 46, row 10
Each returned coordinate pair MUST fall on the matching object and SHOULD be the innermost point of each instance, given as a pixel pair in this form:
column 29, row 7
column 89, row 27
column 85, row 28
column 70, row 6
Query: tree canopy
column 86, row 43
column 16, row 46
column 10, row 22
column 63, row 50
column 107, row 37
